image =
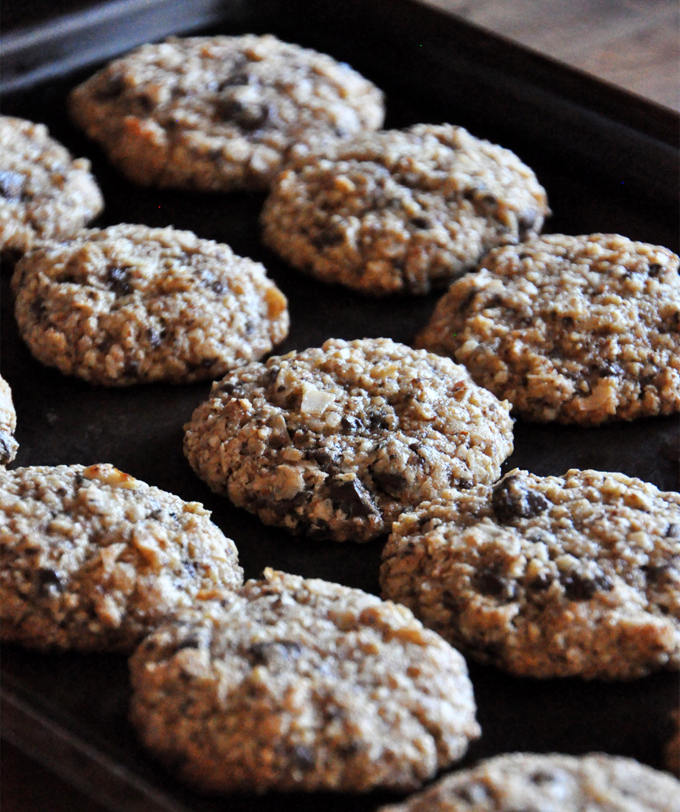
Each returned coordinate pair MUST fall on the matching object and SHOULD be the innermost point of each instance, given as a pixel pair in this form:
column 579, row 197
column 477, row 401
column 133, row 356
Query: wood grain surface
column 634, row 44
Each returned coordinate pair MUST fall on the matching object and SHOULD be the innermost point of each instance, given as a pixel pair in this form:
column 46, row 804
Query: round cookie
column 301, row 684
column 573, row 329
column 132, row 304
column 335, row 442
column 553, row 782
column 401, row 211
column 44, row 192
column 546, row 576
column 220, row 113
column 8, row 423
column 93, row 559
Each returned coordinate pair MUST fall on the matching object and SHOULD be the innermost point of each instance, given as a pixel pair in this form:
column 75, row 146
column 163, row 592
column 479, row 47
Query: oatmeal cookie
column 44, row 192
column 573, row 575
column 335, row 442
column 573, row 329
column 301, row 684
column 220, row 113
column 8, row 423
column 132, row 304
column 596, row 782
column 401, row 211
column 93, row 559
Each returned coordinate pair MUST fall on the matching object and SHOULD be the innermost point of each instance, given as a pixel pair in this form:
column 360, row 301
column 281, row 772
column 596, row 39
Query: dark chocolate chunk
column 510, row 500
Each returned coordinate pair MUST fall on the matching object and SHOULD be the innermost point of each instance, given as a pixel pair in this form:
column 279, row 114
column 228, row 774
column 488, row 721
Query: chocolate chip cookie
column 93, row 559
column 301, row 684
column 596, row 782
column 132, row 304
column 573, row 575
column 573, row 329
column 220, row 113
column 401, row 211
column 44, row 192
column 8, row 424
column 336, row 441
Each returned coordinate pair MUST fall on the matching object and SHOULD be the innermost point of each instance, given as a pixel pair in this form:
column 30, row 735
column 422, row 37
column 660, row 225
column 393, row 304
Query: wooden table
column 634, row 44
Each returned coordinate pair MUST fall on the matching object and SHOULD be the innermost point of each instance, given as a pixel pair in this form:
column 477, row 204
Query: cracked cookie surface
column 580, row 329
column 401, row 211
column 546, row 576
column 336, row 441
column 45, row 193
column 596, row 781
column 8, row 424
column 92, row 558
column 133, row 304
column 301, row 684
column 220, row 113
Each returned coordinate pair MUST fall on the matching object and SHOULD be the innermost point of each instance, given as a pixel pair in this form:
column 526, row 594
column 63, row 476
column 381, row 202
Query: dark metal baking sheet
column 609, row 162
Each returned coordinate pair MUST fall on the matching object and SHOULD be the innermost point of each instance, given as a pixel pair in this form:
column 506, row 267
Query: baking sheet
column 609, row 163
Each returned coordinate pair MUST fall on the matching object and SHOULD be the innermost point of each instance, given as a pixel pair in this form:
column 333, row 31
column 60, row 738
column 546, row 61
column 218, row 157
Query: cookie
column 132, row 304
column 220, row 113
column 335, row 442
column 572, row 329
column 301, row 684
column 595, row 782
column 401, row 211
column 557, row 576
column 93, row 559
column 8, row 423
column 44, row 192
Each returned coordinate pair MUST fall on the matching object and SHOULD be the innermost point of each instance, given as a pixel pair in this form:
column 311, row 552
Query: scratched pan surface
column 608, row 162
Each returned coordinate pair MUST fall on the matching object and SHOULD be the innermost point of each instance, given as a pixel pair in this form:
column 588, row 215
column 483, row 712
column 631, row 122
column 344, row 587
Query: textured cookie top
column 335, row 441
column 401, row 211
column 44, row 192
column 301, row 684
column 91, row 558
column 542, row 783
column 575, row 329
column 8, row 423
column 547, row 576
column 132, row 304
column 219, row 113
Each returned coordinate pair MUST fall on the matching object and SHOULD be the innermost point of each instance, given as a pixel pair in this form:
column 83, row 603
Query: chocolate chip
column 510, row 500
column 581, row 587
column 303, row 755
column 673, row 531
column 542, row 777
column 490, row 583
column 391, row 482
column 12, row 185
column 658, row 574
column 118, row 280
column 48, row 581
column 540, row 583
column 328, row 237
column 351, row 498
column 38, row 309
column 654, row 269
column 249, row 116
column 421, row 222
column 273, row 651
column 191, row 641
column 111, row 88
